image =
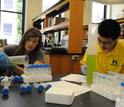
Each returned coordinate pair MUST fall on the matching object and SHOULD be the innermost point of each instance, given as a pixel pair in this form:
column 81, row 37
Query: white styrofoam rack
column 119, row 103
column 31, row 79
column 59, row 95
column 37, row 73
column 105, row 93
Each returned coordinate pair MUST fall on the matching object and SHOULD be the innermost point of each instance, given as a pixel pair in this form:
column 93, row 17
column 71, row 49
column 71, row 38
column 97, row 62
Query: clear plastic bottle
column 5, row 90
column 38, row 86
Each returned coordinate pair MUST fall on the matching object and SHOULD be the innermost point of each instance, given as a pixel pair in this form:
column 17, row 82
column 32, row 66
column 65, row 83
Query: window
column 8, row 4
column 7, row 29
column 12, row 20
column 97, row 12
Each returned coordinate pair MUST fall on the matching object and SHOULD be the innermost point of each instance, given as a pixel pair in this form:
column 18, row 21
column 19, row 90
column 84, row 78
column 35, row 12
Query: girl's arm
column 19, row 70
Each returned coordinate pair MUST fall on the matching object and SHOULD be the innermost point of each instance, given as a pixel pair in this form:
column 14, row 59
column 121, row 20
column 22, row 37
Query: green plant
column 19, row 21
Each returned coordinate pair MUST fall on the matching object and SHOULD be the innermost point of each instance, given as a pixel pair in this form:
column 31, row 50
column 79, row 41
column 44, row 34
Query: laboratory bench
column 37, row 99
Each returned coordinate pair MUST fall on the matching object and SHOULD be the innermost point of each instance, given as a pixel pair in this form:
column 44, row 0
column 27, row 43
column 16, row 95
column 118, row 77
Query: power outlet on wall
column 75, row 57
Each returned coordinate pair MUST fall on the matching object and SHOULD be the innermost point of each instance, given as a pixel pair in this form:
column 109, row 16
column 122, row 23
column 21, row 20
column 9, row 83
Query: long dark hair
column 32, row 32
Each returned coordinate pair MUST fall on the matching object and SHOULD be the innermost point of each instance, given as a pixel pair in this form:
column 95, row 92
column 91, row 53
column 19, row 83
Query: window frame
column 23, row 14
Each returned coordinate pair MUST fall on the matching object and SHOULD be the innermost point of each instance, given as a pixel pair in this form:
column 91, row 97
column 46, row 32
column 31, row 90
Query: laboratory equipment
column 107, row 85
column 1, row 78
column 23, row 88
column 37, row 73
column 59, row 95
column 6, row 81
column 38, row 86
column 28, row 87
column 20, row 79
column 45, row 85
column 5, row 90
column 23, row 59
column 92, row 52
column 120, row 100
column 17, row 78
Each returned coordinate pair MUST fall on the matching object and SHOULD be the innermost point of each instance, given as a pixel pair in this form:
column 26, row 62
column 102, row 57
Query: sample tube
column 24, row 59
column 38, row 86
column 45, row 85
column 28, row 87
column 1, row 78
column 20, row 79
column 22, row 88
column 15, row 79
column 5, row 90
column 122, row 91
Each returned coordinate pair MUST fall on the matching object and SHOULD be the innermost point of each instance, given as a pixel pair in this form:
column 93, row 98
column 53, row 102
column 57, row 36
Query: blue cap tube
column 5, row 90
column 22, row 88
column 28, row 87
column 48, row 86
column 20, row 79
column 15, row 79
column 40, row 88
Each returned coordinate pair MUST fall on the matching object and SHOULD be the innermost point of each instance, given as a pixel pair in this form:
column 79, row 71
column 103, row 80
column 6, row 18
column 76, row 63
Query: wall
column 33, row 9
column 116, row 9
column 87, row 13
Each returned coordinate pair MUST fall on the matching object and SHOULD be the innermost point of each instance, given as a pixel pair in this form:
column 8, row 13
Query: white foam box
column 59, row 95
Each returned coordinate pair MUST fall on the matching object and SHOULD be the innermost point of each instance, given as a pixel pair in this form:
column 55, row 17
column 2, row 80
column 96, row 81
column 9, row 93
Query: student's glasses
column 104, row 43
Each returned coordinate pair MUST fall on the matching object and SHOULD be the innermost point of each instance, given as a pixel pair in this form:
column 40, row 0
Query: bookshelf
column 74, row 24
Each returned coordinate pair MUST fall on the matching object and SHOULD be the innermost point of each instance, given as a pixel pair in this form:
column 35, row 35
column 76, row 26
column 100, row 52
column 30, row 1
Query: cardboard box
column 57, row 20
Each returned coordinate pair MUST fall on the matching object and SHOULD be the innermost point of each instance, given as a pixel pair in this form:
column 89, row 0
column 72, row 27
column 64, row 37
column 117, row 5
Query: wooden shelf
column 58, row 27
column 74, row 25
column 57, row 8
column 120, row 20
column 85, row 37
column 86, row 26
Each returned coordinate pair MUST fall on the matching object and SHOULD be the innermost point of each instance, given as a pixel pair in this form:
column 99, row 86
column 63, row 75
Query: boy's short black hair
column 109, row 29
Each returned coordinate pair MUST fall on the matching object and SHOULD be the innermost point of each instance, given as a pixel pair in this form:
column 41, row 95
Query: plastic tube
column 22, row 88
column 38, row 86
column 122, row 91
column 24, row 59
column 45, row 85
column 5, row 90
column 1, row 78
column 20, row 79
column 28, row 87
column 15, row 78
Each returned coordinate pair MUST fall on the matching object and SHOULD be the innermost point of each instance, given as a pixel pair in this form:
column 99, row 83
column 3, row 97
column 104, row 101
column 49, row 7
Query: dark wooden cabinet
column 63, row 64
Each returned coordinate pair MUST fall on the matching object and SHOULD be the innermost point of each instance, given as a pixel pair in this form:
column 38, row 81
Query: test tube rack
column 107, row 85
column 37, row 73
column 119, row 103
